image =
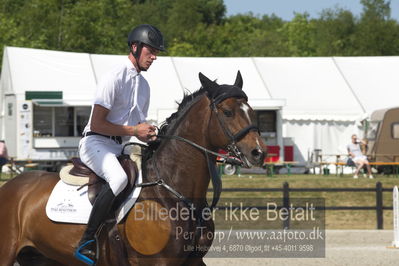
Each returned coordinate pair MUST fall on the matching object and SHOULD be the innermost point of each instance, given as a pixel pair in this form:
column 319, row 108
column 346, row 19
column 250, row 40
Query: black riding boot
column 87, row 247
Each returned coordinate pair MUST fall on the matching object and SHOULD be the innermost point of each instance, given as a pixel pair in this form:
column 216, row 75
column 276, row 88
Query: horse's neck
column 185, row 165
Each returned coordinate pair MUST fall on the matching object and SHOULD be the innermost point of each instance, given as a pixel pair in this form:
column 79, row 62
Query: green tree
column 268, row 39
column 300, row 33
column 335, row 32
column 149, row 12
column 254, row 36
column 96, row 27
column 376, row 33
column 183, row 16
column 377, row 10
column 196, row 28
column 33, row 19
column 212, row 11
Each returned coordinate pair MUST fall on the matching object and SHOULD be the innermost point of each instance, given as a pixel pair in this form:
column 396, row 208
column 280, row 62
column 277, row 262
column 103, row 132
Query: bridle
column 234, row 138
column 231, row 157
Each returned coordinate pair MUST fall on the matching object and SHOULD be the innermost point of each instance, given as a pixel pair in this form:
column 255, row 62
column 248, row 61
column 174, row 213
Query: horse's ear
column 238, row 83
column 207, row 84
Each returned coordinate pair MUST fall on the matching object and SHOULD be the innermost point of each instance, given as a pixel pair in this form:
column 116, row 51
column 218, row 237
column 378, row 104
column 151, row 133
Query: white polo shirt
column 125, row 93
column 355, row 149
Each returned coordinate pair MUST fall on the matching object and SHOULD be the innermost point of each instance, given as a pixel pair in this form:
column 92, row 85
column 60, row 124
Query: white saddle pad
column 68, row 205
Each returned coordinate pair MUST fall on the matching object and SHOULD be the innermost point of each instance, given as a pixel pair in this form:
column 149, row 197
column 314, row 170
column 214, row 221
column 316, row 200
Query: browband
column 231, row 92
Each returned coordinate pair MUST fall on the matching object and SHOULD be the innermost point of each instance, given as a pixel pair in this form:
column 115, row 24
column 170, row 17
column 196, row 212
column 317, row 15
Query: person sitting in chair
column 360, row 160
column 119, row 111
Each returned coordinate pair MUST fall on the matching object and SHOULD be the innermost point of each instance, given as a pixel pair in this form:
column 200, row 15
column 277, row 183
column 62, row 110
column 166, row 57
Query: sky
column 285, row 8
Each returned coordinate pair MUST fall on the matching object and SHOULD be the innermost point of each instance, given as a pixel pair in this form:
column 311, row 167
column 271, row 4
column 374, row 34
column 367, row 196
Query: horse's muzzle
column 257, row 156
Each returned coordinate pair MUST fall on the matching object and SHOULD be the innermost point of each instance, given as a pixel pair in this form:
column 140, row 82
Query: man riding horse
column 119, row 111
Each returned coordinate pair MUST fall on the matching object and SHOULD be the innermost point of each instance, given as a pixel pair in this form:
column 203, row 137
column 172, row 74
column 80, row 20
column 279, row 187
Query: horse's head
column 231, row 125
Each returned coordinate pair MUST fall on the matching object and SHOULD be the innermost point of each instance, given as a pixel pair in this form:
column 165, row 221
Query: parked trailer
column 45, row 99
column 45, row 130
column 382, row 134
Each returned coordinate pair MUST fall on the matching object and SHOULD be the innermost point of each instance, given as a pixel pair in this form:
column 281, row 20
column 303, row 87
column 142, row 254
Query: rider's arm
column 100, row 124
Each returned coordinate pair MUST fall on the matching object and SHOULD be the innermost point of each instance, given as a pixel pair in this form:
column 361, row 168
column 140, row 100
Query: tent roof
column 322, row 88
column 374, row 80
column 44, row 70
column 223, row 70
column 312, row 87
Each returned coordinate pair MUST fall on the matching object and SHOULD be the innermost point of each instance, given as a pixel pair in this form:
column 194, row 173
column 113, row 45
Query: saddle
column 79, row 174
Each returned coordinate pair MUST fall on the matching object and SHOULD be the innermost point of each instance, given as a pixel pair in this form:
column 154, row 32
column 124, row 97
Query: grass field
column 347, row 219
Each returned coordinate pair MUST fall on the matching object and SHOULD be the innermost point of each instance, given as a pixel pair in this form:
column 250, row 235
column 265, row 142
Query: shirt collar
column 131, row 68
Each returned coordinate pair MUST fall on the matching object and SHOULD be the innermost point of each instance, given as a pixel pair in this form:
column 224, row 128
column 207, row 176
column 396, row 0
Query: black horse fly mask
column 218, row 93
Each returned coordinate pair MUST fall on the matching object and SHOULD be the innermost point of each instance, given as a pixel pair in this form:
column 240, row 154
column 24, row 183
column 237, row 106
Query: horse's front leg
column 194, row 262
column 205, row 232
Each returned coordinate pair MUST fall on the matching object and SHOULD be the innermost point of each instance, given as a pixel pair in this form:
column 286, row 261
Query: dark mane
column 215, row 92
column 171, row 122
column 186, row 102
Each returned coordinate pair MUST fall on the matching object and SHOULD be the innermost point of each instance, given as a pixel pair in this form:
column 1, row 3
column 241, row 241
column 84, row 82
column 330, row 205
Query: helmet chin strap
column 137, row 55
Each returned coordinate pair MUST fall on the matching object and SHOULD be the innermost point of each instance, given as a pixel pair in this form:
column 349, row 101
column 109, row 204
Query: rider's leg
column 86, row 250
column 101, row 156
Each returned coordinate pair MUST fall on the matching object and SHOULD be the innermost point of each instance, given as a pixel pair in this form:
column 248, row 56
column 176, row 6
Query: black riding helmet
column 145, row 34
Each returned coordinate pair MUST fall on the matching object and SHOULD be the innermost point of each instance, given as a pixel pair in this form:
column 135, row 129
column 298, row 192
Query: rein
column 225, row 158
column 216, row 182
column 215, row 177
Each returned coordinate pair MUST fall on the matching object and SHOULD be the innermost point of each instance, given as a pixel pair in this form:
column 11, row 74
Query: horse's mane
column 183, row 106
column 172, row 121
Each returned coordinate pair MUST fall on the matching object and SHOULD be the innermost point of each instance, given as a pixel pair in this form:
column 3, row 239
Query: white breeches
column 100, row 155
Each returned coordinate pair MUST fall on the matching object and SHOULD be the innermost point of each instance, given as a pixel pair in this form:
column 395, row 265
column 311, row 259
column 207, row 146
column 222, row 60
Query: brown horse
column 216, row 116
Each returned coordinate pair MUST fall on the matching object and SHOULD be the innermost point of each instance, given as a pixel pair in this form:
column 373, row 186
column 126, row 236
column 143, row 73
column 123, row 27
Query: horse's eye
column 228, row 113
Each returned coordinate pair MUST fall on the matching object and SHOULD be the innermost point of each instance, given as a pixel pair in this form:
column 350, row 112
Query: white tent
column 322, row 99
column 43, row 70
column 320, row 110
column 374, row 80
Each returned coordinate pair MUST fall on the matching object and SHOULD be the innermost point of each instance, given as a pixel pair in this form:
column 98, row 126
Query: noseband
column 234, row 138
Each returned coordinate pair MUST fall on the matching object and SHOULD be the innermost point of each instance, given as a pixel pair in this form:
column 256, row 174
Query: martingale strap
column 215, row 177
column 216, row 181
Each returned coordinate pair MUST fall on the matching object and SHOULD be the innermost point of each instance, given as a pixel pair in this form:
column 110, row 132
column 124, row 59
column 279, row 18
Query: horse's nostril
column 256, row 153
